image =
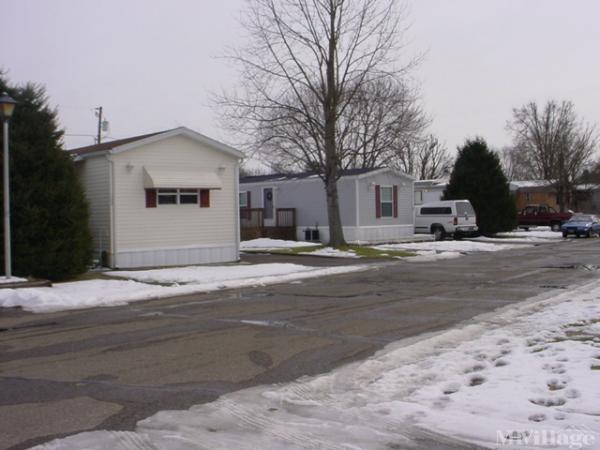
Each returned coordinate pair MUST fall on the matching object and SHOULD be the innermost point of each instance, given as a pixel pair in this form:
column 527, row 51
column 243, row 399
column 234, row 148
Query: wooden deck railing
column 252, row 224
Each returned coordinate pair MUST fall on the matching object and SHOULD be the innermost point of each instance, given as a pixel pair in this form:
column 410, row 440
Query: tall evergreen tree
column 49, row 212
column 478, row 177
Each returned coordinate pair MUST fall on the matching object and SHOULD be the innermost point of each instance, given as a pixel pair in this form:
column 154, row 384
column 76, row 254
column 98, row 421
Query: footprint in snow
column 556, row 368
column 451, row 388
column 537, row 417
column 475, row 368
column 501, row 362
column 547, row 401
column 476, row 380
column 555, row 384
column 572, row 393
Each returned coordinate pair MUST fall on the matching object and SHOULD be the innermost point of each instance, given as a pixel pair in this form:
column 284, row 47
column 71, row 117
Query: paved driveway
column 107, row 368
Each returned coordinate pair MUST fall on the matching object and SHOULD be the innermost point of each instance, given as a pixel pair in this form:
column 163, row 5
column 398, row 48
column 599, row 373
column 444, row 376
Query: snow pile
column 272, row 244
column 534, row 234
column 525, row 377
column 79, row 294
column 514, row 240
column 91, row 293
column 430, row 255
column 211, row 274
column 6, row 280
column 448, row 246
column 332, row 252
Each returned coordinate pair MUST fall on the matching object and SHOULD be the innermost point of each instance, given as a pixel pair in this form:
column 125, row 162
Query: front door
column 268, row 207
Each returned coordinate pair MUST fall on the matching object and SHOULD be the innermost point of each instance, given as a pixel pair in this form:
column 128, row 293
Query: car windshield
column 582, row 219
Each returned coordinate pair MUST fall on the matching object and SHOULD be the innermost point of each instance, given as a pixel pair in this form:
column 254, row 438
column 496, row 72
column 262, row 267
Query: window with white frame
column 387, row 201
column 244, row 199
column 177, row 196
column 418, row 197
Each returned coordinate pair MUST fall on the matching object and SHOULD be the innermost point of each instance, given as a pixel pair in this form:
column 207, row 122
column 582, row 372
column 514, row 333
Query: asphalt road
column 107, row 368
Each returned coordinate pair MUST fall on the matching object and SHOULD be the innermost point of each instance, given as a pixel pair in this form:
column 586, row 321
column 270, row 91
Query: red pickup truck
column 541, row 215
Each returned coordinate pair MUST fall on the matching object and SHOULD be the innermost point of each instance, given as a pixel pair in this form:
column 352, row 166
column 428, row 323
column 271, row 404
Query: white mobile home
column 376, row 205
column 162, row 199
column 427, row 191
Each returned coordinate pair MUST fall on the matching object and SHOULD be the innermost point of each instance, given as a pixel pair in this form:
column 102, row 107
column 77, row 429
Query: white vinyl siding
column 94, row 176
column 173, row 226
column 308, row 197
column 367, row 199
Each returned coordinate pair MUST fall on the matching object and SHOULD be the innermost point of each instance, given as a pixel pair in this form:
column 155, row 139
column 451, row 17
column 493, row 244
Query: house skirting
column 176, row 256
column 367, row 234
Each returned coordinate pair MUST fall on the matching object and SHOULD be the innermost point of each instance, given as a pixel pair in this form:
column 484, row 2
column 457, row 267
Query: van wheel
column 438, row 234
column 555, row 226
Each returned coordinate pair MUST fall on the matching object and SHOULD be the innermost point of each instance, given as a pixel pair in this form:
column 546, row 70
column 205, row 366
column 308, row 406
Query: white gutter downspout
column 236, row 174
column 111, row 195
column 357, row 206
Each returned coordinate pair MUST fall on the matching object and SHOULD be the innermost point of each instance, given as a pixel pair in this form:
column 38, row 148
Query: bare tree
column 304, row 66
column 425, row 158
column 556, row 145
column 384, row 116
column 515, row 163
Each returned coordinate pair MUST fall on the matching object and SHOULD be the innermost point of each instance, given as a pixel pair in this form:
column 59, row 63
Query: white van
column 446, row 218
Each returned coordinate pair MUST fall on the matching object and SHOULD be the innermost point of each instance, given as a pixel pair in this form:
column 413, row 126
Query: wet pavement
column 107, row 368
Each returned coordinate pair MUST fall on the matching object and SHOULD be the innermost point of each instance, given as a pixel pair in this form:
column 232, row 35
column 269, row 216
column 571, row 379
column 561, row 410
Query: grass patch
column 359, row 250
column 370, row 252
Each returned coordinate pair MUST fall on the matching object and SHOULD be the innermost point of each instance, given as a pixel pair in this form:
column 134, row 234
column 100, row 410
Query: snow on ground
column 430, row 255
column 533, row 234
column 6, row 280
column 525, row 376
column 92, row 293
column 448, row 246
column 272, row 244
column 514, row 240
column 332, row 252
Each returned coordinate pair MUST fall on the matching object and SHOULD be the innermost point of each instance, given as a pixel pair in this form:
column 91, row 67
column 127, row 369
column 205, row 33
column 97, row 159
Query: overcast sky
column 152, row 64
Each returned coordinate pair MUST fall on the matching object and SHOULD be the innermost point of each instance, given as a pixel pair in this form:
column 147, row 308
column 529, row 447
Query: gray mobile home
column 376, row 205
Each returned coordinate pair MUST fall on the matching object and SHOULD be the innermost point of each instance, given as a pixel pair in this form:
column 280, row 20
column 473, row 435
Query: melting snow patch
column 272, row 244
column 332, row 252
column 449, row 383
column 92, row 293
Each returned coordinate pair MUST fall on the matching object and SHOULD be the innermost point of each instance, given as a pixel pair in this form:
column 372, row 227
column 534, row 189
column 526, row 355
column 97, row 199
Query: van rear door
column 465, row 214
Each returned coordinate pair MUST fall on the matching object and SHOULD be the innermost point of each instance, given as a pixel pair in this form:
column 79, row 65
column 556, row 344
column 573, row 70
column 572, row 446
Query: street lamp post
column 7, row 106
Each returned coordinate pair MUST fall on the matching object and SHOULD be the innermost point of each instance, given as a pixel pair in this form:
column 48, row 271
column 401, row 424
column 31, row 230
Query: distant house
column 162, row 199
column 429, row 190
column 376, row 205
column 584, row 198
column 534, row 192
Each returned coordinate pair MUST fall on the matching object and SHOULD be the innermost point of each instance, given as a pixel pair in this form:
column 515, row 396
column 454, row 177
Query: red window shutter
column 395, row 200
column 377, row 201
column 248, row 197
column 150, row 198
column 204, row 198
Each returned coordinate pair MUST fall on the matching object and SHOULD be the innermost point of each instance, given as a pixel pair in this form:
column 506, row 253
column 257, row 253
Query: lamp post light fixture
column 7, row 106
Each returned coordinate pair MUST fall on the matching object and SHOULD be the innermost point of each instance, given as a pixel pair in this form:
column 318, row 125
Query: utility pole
column 99, row 115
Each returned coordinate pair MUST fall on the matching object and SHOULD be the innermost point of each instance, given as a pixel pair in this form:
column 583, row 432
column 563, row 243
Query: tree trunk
column 330, row 111
column 336, row 233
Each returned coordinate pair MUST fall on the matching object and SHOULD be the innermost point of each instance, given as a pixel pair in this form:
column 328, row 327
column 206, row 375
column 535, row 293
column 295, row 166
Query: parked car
column 542, row 215
column 581, row 225
column 446, row 218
